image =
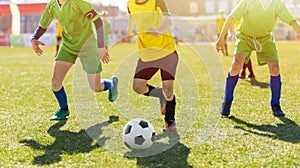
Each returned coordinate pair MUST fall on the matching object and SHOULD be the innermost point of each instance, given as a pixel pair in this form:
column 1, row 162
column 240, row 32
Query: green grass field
column 252, row 138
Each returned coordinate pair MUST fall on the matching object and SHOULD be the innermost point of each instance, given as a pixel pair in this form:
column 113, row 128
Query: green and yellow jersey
column 145, row 16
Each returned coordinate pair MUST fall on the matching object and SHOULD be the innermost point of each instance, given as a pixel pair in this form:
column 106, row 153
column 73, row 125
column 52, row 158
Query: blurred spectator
column 220, row 22
column 58, row 36
column 106, row 28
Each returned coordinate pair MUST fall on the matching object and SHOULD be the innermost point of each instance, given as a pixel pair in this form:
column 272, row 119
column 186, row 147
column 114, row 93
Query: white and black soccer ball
column 138, row 134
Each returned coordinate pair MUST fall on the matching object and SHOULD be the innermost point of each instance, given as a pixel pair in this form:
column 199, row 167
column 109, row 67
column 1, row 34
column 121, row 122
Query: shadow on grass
column 176, row 156
column 257, row 83
column 287, row 131
column 68, row 142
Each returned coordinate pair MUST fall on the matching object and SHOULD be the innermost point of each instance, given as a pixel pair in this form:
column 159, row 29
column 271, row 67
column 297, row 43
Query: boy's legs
column 249, row 66
column 61, row 68
column 275, row 85
column 98, row 85
column 231, row 82
column 92, row 65
column 141, row 86
column 168, row 71
column 170, row 104
column 145, row 71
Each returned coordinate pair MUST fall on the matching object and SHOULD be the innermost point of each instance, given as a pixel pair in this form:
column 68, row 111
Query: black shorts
column 167, row 66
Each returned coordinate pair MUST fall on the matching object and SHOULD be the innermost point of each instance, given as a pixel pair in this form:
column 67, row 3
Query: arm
column 130, row 25
column 166, row 22
column 35, row 40
column 100, row 35
column 295, row 25
column 220, row 42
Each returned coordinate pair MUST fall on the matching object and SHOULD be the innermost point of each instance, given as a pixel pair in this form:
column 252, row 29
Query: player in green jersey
column 259, row 19
column 82, row 37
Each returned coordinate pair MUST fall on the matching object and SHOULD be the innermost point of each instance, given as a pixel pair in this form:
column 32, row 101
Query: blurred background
column 19, row 19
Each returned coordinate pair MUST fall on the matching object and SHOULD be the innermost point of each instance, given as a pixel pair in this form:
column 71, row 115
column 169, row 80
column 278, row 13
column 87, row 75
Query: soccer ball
column 138, row 134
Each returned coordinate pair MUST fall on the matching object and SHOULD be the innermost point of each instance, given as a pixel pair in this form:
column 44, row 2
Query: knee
column 56, row 84
column 138, row 88
column 274, row 70
column 239, row 61
column 168, row 93
column 237, row 65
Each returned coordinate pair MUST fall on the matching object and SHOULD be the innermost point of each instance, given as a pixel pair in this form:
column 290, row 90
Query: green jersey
column 259, row 19
column 78, row 29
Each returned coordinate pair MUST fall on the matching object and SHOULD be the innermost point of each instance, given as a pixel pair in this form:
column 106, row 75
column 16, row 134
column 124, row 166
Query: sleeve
column 46, row 18
column 87, row 9
column 239, row 10
column 284, row 14
column 163, row 6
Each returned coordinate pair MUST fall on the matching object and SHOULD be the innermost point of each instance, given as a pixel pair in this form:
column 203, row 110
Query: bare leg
column 95, row 82
column 61, row 68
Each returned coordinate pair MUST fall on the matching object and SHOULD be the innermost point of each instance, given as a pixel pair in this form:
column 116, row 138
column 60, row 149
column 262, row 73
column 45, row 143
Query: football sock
column 155, row 92
column 108, row 84
column 275, row 85
column 170, row 111
column 231, row 82
column 61, row 97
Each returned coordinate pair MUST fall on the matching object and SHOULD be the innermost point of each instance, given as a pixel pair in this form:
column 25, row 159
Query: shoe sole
column 224, row 116
column 281, row 115
column 59, row 118
column 56, row 118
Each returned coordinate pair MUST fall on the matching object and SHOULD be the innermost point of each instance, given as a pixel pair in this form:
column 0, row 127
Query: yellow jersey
column 146, row 15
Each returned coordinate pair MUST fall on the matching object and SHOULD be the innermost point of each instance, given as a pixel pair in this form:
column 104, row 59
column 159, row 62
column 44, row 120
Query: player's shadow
column 288, row 131
column 175, row 156
column 255, row 82
column 68, row 142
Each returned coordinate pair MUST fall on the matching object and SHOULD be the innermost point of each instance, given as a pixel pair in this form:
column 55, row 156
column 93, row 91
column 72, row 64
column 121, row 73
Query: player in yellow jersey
column 156, row 48
column 220, row 22
column 58, row 36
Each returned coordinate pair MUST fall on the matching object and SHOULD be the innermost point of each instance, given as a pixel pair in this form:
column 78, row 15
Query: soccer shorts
column 266, row 50
column 167, row 66
column 90, row 61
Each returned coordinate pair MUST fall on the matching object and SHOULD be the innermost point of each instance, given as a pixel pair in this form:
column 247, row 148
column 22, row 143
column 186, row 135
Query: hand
column 219, row 45
column 104, row 55
column 35, row 45
column 153, row 31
